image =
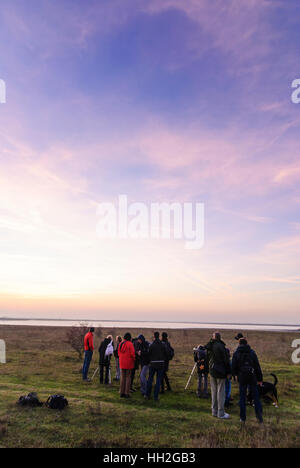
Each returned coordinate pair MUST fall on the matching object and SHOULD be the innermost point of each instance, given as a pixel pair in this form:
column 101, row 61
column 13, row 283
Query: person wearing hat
column 88, row 353
column 239, row 336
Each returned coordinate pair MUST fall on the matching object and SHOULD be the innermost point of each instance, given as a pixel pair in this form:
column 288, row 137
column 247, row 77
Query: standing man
column 170, row 355
column 219, row 369
column 246, row 366
column 157, row 358
column 88, row 353
column 105, row 352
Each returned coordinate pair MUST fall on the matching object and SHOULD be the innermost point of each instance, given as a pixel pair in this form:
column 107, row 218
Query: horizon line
column 149, row 321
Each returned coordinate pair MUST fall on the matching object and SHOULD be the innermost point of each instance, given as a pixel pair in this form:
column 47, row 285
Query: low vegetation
column 39, row 359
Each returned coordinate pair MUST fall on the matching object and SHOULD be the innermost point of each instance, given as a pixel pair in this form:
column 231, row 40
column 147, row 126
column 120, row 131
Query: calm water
column 158, row 325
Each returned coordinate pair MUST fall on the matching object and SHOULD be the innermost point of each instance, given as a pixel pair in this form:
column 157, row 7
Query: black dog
column 267, row 391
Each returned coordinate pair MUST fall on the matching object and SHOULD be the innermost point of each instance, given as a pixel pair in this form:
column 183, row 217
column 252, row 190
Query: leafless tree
column 75, row 337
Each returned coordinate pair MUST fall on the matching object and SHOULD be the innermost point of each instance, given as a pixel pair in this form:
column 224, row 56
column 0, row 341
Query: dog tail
column 275, row 379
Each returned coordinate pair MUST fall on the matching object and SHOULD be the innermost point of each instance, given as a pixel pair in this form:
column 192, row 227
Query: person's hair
column 243, row 341
column 164, row 335
column 119, row 338
column 92, row 329
column 109, row 337
column 217, row 335
column 127, row 336
column 156, row 335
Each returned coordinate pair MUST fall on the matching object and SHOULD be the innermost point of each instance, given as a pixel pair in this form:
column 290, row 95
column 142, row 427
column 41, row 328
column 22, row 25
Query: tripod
column 189, row 379
column 109, row 375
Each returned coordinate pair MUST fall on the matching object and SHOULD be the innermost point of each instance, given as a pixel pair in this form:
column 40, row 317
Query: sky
column 163, row 101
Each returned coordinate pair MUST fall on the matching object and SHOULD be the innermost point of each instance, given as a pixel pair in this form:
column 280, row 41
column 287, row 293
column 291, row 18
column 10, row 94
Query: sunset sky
column 164, row 101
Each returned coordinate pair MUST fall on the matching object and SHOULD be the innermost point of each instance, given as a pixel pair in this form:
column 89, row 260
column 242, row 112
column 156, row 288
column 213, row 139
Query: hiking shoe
column 226, row 416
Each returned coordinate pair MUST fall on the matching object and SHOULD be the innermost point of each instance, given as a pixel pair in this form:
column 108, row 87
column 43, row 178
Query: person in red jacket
column 126, row 354
column 88, row 353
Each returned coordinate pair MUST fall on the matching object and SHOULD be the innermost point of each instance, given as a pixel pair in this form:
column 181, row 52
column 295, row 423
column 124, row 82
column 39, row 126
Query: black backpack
column 170, row 351
column 57, row 402
column 246, row 367
column 30, row 400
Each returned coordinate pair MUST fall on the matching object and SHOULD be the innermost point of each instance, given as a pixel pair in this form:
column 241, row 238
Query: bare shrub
column 75, row 338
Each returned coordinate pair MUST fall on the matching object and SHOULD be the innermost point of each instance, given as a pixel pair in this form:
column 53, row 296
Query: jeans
column 117, row 369
column 143, row 379
column 257, row 403
column 159, row 376
column 227, row 391
column 202, row 385
column 86, row 363
column 217, row 396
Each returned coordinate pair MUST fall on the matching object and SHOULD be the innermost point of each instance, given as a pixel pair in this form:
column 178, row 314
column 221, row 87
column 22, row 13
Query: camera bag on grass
column 57, row 402
column 30, row 400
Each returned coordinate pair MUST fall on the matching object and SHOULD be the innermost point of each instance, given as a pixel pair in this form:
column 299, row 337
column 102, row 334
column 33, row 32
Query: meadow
column 39, row 359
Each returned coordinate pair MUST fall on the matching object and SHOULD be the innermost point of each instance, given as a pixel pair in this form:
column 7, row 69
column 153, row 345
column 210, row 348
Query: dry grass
column 39, row 359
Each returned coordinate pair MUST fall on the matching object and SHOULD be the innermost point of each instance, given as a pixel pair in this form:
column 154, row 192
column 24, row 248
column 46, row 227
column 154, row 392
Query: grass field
column 38, row 359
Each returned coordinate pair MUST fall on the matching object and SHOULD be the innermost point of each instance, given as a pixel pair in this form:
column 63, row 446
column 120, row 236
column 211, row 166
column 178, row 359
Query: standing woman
column 126, row 354
column 118, row 341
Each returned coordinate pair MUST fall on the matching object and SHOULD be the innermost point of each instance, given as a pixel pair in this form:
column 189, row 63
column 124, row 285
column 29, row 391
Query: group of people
column 150, row 359
column 132, row 355
column 214, row 360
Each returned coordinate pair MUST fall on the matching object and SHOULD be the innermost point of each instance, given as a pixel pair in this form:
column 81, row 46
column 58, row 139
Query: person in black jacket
column 104, row 359
column 136, row 345
column 219, row 369
column 200, row 357
column 143, row 354
column 157, row 358
column 170, row 353
column 246, row 367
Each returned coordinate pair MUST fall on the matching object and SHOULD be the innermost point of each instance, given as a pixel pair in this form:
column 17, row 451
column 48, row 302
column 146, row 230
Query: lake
column 155, row 324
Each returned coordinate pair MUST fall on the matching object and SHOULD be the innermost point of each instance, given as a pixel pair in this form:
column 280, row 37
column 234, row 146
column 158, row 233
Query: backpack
column 57, row 402
column 170, row 351
column 247, row 370
column 30, row 400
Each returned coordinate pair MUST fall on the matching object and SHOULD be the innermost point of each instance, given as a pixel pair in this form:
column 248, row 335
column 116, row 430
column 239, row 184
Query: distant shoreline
column 147, row 324
column 19, row 319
